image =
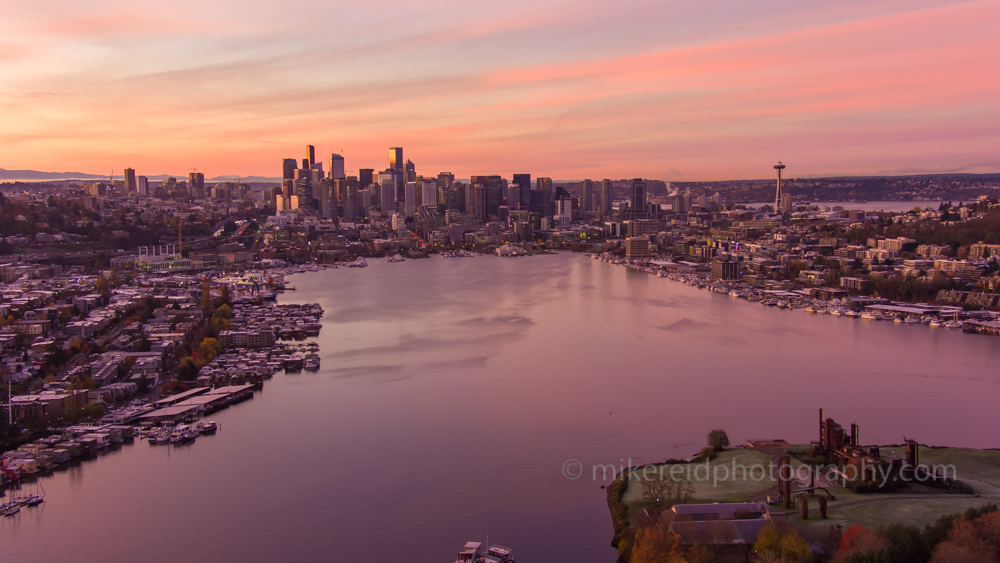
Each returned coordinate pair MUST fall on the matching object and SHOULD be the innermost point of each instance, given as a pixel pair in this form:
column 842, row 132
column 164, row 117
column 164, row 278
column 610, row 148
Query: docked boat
column 311, row 364
column 852, row 314
column 207, row 427
column 936, row 323
column 870, row 316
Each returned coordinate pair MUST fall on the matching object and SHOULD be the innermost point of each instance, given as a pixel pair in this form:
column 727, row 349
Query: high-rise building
column 130, row 184
column 411, row 171
column 524, row 182
column 586, row 196
column 143, row 185
column 310, row 156
column 446, row 179
column 514, row 197
column 336, row 166
column 387, row 193
column 493, row 186
column 564, row 212
column 396, row 158
column 410, row 199
column 428, row 192
column 679, row 204
column 607, row 198
column 638, row 196
column 366, row 177
column 196, row 185
column 543, row 184
column 288, row 167
column 777, row 196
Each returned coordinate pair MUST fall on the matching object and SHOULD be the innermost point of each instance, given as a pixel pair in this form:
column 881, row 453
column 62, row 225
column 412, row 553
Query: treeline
column 956, row 538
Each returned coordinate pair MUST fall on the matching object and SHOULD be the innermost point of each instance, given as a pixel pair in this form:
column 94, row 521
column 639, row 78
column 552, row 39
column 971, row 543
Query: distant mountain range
column 35, row 176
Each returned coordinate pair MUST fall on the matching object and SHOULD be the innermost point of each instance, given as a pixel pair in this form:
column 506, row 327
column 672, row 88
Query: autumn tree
column 781, row 545
column 656, row 545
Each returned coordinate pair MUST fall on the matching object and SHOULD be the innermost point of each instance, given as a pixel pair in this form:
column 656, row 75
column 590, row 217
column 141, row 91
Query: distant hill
column 36, row 175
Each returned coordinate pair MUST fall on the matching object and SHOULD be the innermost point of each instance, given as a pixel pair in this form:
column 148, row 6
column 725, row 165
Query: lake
column 452, row 392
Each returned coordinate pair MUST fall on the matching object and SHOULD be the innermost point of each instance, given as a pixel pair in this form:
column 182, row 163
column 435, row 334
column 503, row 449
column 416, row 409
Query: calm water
column 452, row 392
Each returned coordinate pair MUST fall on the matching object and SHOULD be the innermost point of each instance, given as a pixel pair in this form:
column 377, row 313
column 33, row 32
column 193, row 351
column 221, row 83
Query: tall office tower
column 387, row 193
column 365, row 202
column 306, row 165
column 478, row 202
column 428, row 192
column 310, row 155
column 130, row 185
column 543, row 184
column 607, row 198
column 564, row 212
column 196, row 185
column 288, row 167
column 411, row 171
column 143, row 185
column 446, row 179
column 493, row 186
column 366, row 177
column 336, row 166
column 304, row 193
column 410, row 199
column 396, row 158
column 638, row 195
column 586, row 196
column 455, row 197
column 524, row 181
column 777, row 196
column 513, row 197
column 323, row 191
column 288, row 187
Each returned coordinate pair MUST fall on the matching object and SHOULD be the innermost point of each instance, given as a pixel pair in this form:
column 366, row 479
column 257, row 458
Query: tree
column 718, row 439
column 654, row 545
column 781, row 545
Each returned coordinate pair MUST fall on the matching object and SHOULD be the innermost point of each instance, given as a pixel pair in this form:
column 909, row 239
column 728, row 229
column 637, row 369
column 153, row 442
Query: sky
column 678, row 91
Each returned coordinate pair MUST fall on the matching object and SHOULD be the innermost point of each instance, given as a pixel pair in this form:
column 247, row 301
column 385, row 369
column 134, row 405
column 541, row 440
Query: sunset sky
column 703, row 90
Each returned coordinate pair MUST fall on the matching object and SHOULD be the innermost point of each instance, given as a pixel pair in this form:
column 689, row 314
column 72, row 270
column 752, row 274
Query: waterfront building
column 637, row 248
column 725, row 270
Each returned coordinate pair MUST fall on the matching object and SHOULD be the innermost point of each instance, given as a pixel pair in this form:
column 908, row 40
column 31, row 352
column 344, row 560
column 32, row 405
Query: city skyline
column 669, row 92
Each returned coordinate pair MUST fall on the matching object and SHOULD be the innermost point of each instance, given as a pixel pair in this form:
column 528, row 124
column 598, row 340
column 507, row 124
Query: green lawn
column 725, row 489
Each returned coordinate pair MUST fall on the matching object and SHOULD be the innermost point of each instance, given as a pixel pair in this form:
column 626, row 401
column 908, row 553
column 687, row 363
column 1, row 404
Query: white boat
column 852, row 314
column 869, row 316
column 207, row 427
column 898, row 320
column 936, row 323
column 809, row 310
column 954, row 324
column 835, row 313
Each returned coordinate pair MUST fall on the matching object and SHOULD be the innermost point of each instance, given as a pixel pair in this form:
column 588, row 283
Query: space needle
column 777, row 196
